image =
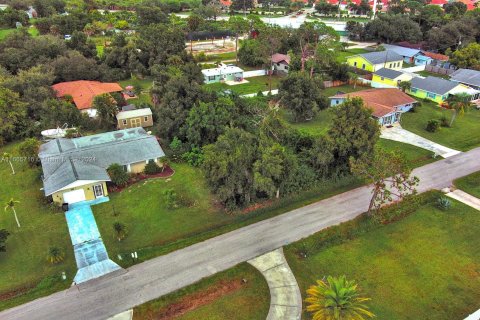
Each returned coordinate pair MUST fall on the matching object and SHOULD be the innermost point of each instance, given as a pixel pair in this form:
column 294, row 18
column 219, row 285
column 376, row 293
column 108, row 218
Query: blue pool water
column 90, row 253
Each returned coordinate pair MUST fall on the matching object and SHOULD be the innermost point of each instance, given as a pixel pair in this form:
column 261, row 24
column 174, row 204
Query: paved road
column 122, row 290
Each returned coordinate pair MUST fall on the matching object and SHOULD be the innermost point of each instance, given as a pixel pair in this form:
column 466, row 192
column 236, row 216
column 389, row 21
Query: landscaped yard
column 24, row 267
column 470, row 184
column 145, row 85
column 425, row 266
column 222, row 296
column 342, row 55
column 254, row 85
column 463, row 135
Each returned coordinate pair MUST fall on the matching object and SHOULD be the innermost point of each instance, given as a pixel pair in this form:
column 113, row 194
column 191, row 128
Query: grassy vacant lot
column 463, row 135
column 254, row 85
column 222, row 296
column 24, row 267
column 425, row 266
column 342, row 55
column 470, row 184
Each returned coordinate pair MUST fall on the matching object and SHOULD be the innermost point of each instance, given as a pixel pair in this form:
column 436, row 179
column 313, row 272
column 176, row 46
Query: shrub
column 432, row 126
column 444, row 122
column 170, row 198
column 443, row 203
column 194, row 157
column 152, row 168
column 118, row 175
column 29, row 150
column 120, row 230
column 55, row 255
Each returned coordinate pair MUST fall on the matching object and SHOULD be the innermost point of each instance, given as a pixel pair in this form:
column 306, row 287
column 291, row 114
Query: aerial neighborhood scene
column 240, row 159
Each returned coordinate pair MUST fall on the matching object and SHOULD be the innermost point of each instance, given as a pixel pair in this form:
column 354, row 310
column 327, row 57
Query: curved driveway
column 122, row 290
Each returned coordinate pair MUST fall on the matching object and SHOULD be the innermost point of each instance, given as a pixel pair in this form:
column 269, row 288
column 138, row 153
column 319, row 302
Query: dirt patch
column 14, row 293
column 196, row 300
column 166, row 173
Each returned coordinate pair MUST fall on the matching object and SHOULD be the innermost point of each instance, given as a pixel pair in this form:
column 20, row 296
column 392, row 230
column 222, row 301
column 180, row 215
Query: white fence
column 254, row 73
column 414, row 69
column 265, row 93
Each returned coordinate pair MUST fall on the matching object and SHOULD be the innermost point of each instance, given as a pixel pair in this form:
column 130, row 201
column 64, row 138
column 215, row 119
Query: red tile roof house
column 387, row 104
column 280, row 62
column 83, row 92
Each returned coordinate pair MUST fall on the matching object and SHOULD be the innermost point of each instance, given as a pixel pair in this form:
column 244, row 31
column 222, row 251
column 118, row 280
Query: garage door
column 74, row 196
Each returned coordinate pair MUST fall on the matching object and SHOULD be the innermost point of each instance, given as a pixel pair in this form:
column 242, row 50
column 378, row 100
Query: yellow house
column 389, row 78
column 75, row 170
column 439, row 90
column 373, row 61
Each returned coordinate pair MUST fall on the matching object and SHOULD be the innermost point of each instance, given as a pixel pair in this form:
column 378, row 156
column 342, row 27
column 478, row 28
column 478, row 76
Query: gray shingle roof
column 388, row 73
column 433, row 84
column 379, row 57
column 65, row 161
column 467, row 76
column 404, row 52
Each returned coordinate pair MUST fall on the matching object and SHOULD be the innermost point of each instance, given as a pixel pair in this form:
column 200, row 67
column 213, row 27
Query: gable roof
column 382, row 101
column 279, row 57
column 379, row 57
column 433, row 84
column 467, row 76
column 388, row 73
column 134, row 113
column 404, row 52
column 65, row 161
column 83, row 91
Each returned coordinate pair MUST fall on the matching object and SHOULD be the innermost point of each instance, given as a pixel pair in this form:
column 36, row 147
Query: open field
column 222, row 296
column 424, row 266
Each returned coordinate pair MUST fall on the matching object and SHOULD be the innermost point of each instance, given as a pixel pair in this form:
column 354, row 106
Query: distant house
column 134, row 118
column 83, row 92
column 389, row 78
column 422, row 60
column 467, row 77
column 373, row 61
column 437, row 58
column 387, row 104
column 408, row 54
column 222, row 73
column 439, row 90
column 76, row 169
column 280, row 62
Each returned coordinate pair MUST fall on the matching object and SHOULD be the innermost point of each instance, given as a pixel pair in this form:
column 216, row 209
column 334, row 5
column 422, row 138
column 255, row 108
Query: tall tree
column 8, row 157
column 337, row 299
column 13, row 114
column 459, row 103
column 389, row 173
column 467, row 57
column 106, row 109
column 11, row 205
column 239, row 26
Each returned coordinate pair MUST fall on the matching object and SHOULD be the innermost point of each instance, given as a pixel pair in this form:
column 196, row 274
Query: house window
column 413, row 90
column 363, row 66
column 286, row 67
column 124, row 121
column 431, row 95
column 355, row 64
column 211, row 78
column 151, row 160
column 389, row 65
column 145, row 118
column 382, row 78
column 125, row 168
column 98, row 190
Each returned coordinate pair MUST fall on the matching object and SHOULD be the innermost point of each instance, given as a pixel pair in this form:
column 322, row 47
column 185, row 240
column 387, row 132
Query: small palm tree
column 55, row 255
column 405, row 85
column 11, row 205
column 120, row 230
column 459, row 103
column 337, row 299
column 353, row 78
column 7, row 156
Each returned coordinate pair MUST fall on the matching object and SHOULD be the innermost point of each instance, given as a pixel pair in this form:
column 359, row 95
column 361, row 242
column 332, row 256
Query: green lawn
column 24, row 266
column 248, row 300
column 5, row 32
column 221, row 56
column 463, row 135
column 145, row 85
column 342, row 55
column 470, row 184
column 416, row 156
column 425, row 266
column 254, row 85
column 428, row 73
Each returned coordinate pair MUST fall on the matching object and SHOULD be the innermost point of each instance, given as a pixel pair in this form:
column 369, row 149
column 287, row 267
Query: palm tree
column 55, row 255
column 120, row 230
column 459, row 103
column 7, row 156
column 354, row 78
column 337, row 299
column 11, row 205
column 405, row 85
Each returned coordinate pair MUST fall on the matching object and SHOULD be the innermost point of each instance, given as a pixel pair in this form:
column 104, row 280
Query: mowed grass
column 463, row 135
column 250, row 301
column 470, row 184
column 254, row 85
column 24, row 266
column 415, row 156
column 342, row 56
column 424, row 267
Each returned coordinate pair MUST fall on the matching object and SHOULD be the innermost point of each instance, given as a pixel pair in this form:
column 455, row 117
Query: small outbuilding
column 135, row 118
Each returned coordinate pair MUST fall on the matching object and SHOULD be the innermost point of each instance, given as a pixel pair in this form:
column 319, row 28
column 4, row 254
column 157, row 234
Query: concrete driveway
column 397, row 133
